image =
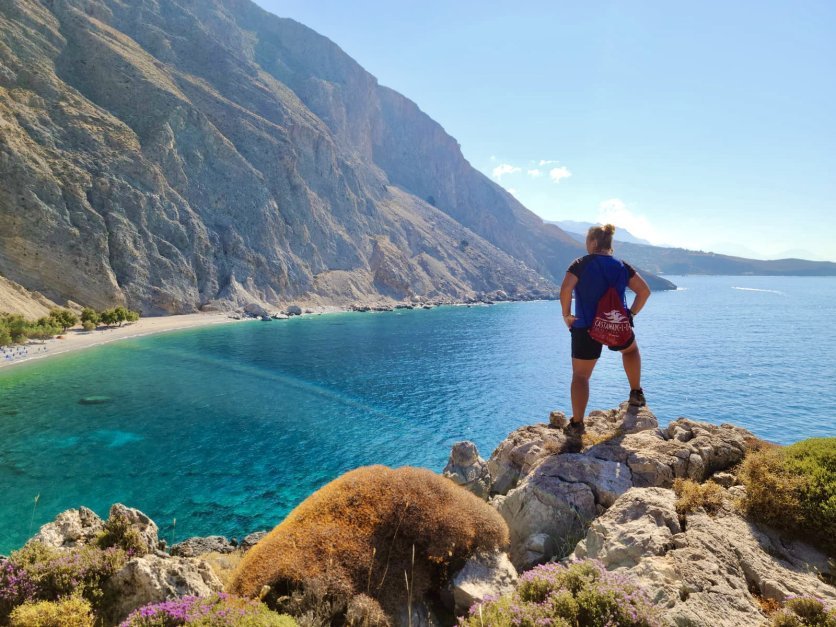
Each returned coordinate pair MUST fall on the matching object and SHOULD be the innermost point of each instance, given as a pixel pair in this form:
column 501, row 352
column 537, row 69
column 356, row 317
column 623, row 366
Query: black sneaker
column 637, row 398
column 575, row 428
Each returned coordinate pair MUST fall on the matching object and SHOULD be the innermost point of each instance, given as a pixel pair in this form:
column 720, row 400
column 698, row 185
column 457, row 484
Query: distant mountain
column 179, row 154
column 575, row 229
column 669, row 260
column 682, row 261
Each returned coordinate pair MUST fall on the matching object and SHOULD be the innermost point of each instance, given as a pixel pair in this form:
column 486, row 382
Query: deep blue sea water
column 227, row 428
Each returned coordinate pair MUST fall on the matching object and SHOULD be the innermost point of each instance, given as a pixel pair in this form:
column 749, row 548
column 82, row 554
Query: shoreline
column 76, row 339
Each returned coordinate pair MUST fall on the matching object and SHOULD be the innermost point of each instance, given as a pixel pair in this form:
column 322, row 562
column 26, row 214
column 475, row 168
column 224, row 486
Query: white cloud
column 557, row 174
column 503, row 169
column 543, row 162
column 535, row 173
column 615, row 211
column 512, row 191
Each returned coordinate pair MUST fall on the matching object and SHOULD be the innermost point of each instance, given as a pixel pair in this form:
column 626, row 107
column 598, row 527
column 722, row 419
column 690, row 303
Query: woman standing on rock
column 590, row 277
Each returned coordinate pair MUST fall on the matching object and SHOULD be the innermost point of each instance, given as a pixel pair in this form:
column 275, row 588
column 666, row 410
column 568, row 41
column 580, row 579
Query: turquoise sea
column 227, row 428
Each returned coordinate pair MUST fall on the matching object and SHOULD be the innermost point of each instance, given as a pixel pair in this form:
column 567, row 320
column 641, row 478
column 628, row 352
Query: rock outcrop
column 549, row 484
column 152, row 578
column 608, row 496
column 157, row 578
column 708, row 570
column 70, row 529
column 174, row 156
column 194, row 547
column 483, row 575
column 468, row 470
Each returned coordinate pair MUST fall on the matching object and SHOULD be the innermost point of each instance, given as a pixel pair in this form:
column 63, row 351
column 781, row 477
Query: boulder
column 546, row 504
column 558, row 420
column 153, row 579
column 71, row 528
column 251, row 540
column 486, row 574
column 193, row 547
column 256, row 310
column 702, row 572
column 538, row 548
column 147, row 528
column 293, row 310
column 467, row 469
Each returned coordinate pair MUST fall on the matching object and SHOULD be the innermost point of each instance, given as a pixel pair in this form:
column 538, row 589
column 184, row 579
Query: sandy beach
column 77, row 339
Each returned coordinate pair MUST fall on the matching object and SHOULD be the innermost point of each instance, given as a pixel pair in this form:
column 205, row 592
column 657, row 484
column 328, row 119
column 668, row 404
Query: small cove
column 227, row 428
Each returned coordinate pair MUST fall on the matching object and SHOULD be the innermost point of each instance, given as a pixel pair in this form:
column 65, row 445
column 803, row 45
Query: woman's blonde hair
column 601, row 236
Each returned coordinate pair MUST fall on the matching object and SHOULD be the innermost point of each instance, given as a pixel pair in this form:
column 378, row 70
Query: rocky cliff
column 608, row 496
column 169, row 154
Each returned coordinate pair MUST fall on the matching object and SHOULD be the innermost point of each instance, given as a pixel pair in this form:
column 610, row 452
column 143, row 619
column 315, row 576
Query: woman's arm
column 642, row 290
column 569, row 283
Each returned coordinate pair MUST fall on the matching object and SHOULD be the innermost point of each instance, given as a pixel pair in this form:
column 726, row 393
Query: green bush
column 63, row 318
column 218, row 610
column 69, row 612
column 90, row 315
column 58, row 573
column 119, row 533
column 794, row 489
column 804, row 611
column 581, row 594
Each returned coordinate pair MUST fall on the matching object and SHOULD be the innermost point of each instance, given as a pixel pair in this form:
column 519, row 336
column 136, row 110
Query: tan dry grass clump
column 692, row 496
column 356, row 536
column 223, row 564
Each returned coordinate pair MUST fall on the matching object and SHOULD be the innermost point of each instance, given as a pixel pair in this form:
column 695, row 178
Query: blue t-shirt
column 595, row 274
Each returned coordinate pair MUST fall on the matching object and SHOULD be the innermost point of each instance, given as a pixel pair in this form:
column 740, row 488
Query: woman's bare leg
column 581, row 371
column 632, row 360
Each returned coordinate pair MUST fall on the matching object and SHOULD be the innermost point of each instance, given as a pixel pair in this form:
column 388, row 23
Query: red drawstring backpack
column 611, row 324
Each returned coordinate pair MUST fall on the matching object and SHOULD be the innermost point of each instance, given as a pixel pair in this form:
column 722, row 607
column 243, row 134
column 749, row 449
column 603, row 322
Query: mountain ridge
column 178, row 154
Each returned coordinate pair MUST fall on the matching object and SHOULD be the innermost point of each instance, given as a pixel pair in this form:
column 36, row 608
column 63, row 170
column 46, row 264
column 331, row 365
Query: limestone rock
column 521, row 451
column 255, row 309
column 252, row 539
column 558, row 420
column 71, row 528
column 702, row 572
column 467, row 469
column 193, row 547
column 538, row 548
column 483, row 575
column 153, row 579
column 555, row 489
column 546, row 504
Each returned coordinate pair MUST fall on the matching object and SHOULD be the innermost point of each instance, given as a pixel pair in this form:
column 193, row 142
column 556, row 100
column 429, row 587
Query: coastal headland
column 646, row 525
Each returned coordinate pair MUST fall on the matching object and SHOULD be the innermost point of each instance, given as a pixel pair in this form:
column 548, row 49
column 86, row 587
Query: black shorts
column 584, row 347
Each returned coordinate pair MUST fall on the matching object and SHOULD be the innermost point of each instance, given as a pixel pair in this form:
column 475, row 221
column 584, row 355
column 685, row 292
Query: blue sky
column 710, row 125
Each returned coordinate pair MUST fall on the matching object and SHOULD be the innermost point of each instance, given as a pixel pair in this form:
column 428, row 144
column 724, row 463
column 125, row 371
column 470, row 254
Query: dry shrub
column 364, row 611
column 591, row 439
column 692, row 496
column 223, row 564
column 69, row 612
column 356, row 536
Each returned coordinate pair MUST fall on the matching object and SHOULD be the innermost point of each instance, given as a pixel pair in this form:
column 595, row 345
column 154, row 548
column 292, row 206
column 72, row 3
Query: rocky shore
column 607, row 496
